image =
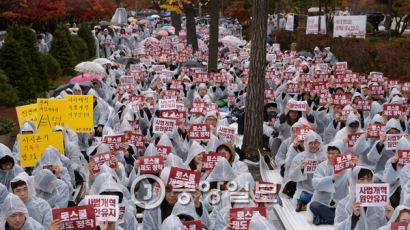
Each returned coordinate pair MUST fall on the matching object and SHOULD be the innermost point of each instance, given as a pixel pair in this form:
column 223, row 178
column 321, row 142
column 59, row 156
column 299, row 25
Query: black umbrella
column 127, row 61
column 305, row 54
column 194, row 64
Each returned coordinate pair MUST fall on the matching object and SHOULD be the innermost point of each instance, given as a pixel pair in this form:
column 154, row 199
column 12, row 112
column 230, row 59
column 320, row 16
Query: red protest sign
column 115, row 142
column 301, row 133
column 297, row 105
column 399, row 225
column 362, row 105
column 151, row 164
column 264, row 192
column 344, row 114
column 183, row 179
column 241, row 217
column 136, row 139
column 323, row 77
column 404, row 157
column 202, row 77
column 374, row 130
column 163, row 150
column 77, row 217
column 376, row 77
column 372, row 195
column 352, row 139
column 376, row 90
column 393, row 110
column 406, row 87
column 391, row 141
column 293, row 88
column 311, row 166
column 340, row 67
column 192, row 225
column 226, row 132
column 171, row 114
column 269, row 94
column 163, row 126
column 106, row 207
column 341, row 99
column 199, row 132
column 287, row 75
column 135, row 124
column 167, row 104
column 102, row 158
column 210, row 159
column 198, row 108
column 342, row 162
column 126, row 80
column 176, row 85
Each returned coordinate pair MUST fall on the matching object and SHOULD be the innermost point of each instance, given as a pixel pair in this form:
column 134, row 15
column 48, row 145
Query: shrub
column 8, row 95
column 6, row 126
column 85, row 33
column 52, row 66
column 62, row 52
column 79, row 48
column 15, row 65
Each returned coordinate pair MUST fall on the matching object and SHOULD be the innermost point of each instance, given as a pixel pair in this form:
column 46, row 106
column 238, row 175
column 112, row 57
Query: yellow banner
column 80, row 113
column 27, row 112
column 51, row 112
column 31, row 146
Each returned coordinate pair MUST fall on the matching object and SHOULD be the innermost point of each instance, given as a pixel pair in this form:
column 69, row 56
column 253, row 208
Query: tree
column 14, row 64
column 23, row 10
column 176, row 22
column 85, row 33
column 253, row 139
column 213, row 36
column 79, row 48
column 53, row 69
column 62, row 52
column 8, row 95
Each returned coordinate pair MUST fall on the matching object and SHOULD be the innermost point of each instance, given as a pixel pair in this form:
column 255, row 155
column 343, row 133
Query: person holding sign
column 393, row 171
column 51, row 189
column 194, row 158
column 379, row 154
column 303, row 166
column 329, row 187
column 15, row 215
column 37, row 208
column 350, row 214
column 400, row 215
column 8, row 166
column 28, row 127
column 352, row 128
column 232, row 157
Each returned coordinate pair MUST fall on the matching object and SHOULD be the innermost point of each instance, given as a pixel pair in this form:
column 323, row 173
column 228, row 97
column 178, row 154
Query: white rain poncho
column 371, row 219
column 3, row 193
column 189, row 210
column 259, row 222
column 304, row 180
column 325, row 190
column 37, row 208
column 194, row 151
column 51, row 189
column 12, row 204
column 395, row 217
column 221, row 172
column 6, row 176
column 172, row 222
column 29, row 127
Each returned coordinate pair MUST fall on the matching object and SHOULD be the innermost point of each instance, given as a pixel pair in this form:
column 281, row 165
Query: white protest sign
column 372, row 195
column 391, row 141
column 105, row 206
column 162, row 125
column 311, row 165
column 297, row 105
column 312, row 25
column 167, row 104
column 345, row 26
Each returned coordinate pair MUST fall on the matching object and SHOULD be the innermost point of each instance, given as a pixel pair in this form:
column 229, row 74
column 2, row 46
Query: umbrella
column 142, row 22
column 126, row 61
column 151, row 39
column 90, row 67
column 85, row 86
column 104, row 23
column 232, row 41
column 102, row 61
column 162, row 33
column 155, row 16
column 119, row 17
column 85, row 77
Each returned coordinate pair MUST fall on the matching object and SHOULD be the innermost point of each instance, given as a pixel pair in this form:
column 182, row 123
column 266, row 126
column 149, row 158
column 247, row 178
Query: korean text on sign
column 115, row 142
column 199, row 132
column 241, row 217
column 103, row 158
column 264, row 192
column 226, row 132
column 106, row 207
column 80, row 112
column 374, row 129
column 210, row 159
column 78, row 217
column 33, row 145
column 51, row 112
column 391, row 141
column 192, row 225
column 342, row 162
column 151, row 164
column 298, row 105
column 311, row 166
column 183, row 180
column 404, row 157
column 27, row 112
column 372, row 195
column 162, row 126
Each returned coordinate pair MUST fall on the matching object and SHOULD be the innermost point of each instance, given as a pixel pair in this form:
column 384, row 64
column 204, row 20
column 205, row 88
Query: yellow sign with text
column 31, row 146
column 27, row 112
column 51, row 112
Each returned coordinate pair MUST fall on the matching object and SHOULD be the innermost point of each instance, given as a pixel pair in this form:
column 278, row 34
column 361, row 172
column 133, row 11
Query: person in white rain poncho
column 38, row 209
column 51, row 189
column 350, row 215
column 14, row 215
column 8, row 166
column 313, row 151
column 401, row 214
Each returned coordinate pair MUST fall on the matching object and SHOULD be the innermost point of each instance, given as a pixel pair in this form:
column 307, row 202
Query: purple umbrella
column 85, row 78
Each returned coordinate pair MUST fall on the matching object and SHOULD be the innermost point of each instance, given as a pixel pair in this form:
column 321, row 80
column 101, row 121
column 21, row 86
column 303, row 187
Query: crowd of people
column 169, row 69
